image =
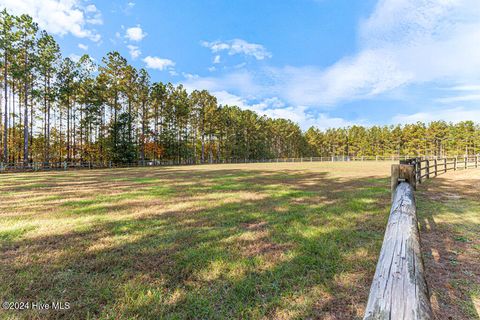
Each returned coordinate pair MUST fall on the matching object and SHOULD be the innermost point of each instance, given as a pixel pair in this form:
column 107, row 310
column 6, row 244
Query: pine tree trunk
column 210, row 153
column 142, row 154
column 31, row 129
column 5, row 127
column 203, row 146
column 25, row 123
column 68, row 128
column 48, row 122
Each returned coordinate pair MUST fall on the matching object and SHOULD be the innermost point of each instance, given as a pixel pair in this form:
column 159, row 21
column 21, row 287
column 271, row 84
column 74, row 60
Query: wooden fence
column 64, row 165
column 429, row 168
column 399, row 289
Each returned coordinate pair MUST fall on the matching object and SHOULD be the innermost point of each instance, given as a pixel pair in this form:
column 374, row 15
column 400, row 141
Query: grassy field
column 277, row 241
column 449, row 215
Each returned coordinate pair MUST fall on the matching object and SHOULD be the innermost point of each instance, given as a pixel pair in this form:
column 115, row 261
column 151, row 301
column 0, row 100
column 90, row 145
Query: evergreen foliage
column 54, row 109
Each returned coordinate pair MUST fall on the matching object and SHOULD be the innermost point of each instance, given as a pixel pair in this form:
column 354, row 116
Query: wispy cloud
column 462, row 98
column 276, row 108
column 95, row 16
column 461, row 93
column 134, row 51
column 469, row 87
column 447, row 114
column 403, row 43
column 238, row 46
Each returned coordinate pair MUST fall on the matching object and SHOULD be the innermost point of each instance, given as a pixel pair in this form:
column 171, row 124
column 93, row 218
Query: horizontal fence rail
column 426, row 168
column 64, row 165
column 399, row 289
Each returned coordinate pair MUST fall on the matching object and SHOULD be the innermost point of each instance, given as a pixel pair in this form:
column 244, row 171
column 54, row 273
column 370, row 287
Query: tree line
column 55, row 109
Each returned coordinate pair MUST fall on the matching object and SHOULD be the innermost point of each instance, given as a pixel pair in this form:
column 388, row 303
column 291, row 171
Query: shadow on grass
column 303, row 245
column 449, row 212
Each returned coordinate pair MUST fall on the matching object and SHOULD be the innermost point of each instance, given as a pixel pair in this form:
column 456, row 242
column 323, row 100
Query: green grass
column 449, row 214
column 211, row 242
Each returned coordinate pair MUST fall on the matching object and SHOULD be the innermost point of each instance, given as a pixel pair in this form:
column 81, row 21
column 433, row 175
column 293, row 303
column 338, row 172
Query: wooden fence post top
column 403, row 173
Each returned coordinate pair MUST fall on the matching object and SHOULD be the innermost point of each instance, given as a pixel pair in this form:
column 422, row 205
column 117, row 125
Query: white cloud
column 59, row 17
column 96, row 15
column 241, row 82
column 238, row 46
column 216, row 59
column 135, row 33
column 158, row 63
column 134, row 51
column 456, row 114
column 275, row 108
column 362, row 76
column 128, row 7
column 83, row 46
column 468, row 93
column 462, row 98
column 189, row 75
column 403, row 43
column 414, row 42
column 468, row 87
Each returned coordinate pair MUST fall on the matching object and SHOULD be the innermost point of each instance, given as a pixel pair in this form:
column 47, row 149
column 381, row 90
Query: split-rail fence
column 399, row 289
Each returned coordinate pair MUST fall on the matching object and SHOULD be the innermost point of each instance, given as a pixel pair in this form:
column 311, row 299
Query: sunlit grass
column 279, row 241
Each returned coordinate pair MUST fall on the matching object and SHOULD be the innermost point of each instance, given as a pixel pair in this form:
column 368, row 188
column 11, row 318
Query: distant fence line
column 64, row 165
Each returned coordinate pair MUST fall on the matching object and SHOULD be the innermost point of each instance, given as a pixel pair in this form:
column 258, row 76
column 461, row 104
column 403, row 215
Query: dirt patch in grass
column 449, row 211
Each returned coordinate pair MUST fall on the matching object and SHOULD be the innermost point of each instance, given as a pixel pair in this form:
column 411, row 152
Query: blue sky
column 318, row 62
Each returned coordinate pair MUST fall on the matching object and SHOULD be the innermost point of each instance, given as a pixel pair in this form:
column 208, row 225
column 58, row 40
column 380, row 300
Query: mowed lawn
column 258, row 241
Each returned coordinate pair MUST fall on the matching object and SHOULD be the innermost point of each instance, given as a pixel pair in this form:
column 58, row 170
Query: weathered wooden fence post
column 435, row 163
column 419, row 170
column 466, row 162
column 445, row 165
column 428, row 169
column 455, row 164
column 399, row 289
column 394, row 179
column 402, row 173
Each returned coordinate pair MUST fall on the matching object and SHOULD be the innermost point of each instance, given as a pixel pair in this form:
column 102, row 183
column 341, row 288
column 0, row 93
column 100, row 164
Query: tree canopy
column 57, row 109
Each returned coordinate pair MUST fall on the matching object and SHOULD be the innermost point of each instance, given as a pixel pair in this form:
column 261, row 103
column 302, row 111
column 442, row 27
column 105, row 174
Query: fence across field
column 67, row 165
